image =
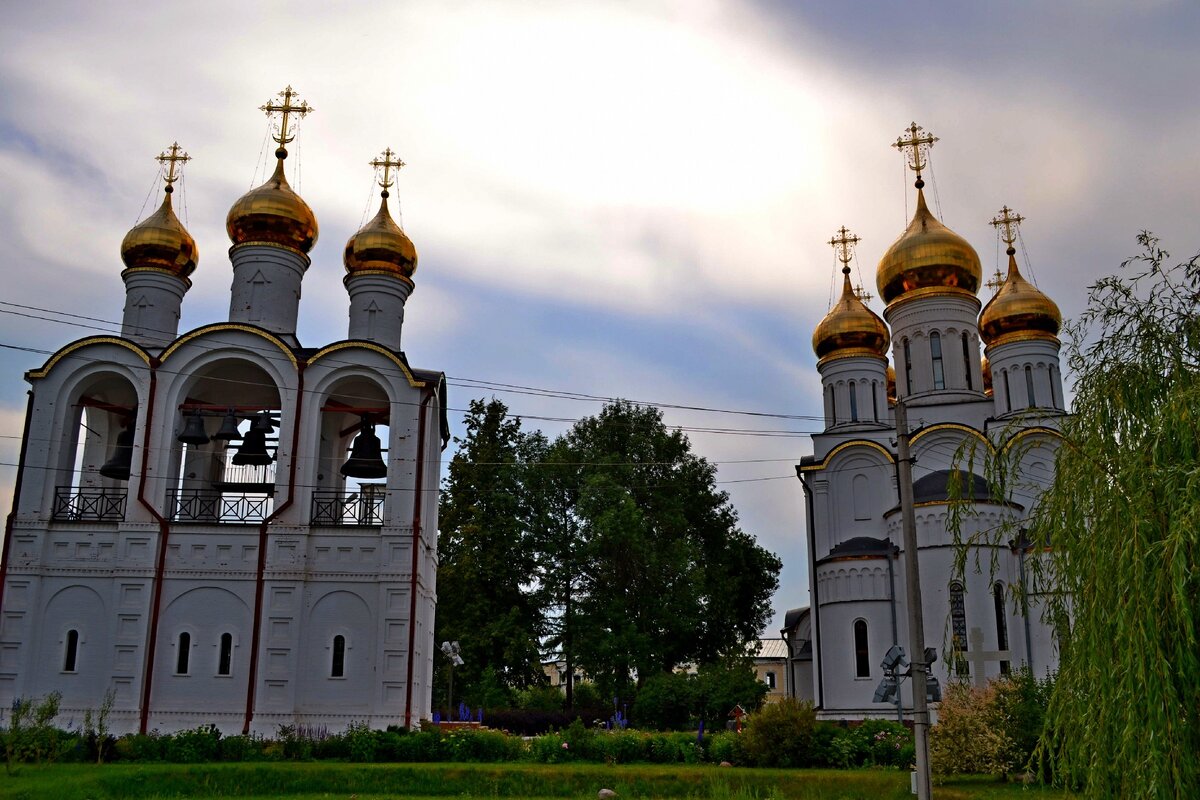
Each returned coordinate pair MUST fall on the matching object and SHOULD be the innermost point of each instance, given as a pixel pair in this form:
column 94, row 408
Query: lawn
column 333, row 781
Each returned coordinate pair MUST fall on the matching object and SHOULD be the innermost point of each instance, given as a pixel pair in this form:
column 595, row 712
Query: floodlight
column 930, row 655
column 933, row 689
column 895, row 657
column 885, row 692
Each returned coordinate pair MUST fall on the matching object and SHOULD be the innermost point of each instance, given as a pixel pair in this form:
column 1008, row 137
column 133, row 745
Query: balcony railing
column 208, row 505
column 339, row 508
column 89, row 505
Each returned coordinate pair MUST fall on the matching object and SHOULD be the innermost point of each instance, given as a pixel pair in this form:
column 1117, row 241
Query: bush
column 882, row 743
column 527, row 723
column 483, row 746
column 780, row 734
column 541, row 698
column 423, row 746
column 664, row 702
column 1022, row 699
column 721, row 686
column 241, row 748
column 971, row 735
column 725, row 746
column 192, row 746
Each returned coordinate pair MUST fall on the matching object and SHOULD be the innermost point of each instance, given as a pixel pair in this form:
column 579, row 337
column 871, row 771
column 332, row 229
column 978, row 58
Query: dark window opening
column 935, row 350
column 967, row 360
column 833, row 403
column 862, row 653
column 72, row 651
column 1007, row 396
column 338, row 669
column 770, row 680
column 1029, row 386
column 184, row 655
column 875, row 400
column 1001, row 623
column 907, row 368
column 225, row 657
column 1054, row 401
column 853, row 402
column 958, row 630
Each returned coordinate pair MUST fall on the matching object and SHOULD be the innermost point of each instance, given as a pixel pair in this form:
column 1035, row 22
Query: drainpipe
column 252, row 676
column 12, row 515
column 815, row 612
column 419, row 494
column 164, row 533
column 895, row 635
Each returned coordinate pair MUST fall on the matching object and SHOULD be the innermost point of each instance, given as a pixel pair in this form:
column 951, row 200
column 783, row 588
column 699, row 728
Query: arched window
column 860, row 493
column 875, row 400
column 184, row 655
column 1054, row 401
column 1029, row 386
column 338, row 668
column 958, row 629
column 907, row 368
column 1007, row 396
column 967, row 360
column 833, row 404
column 72, row 653
column 225, row 656
column 853, row 401
column 771, row 680
column 1001, row 623
column 862, row 652
column 935, row 350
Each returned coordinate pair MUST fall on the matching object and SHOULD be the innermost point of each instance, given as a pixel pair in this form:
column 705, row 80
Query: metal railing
column 89, row 505
column 356, row 508
column 208, row 505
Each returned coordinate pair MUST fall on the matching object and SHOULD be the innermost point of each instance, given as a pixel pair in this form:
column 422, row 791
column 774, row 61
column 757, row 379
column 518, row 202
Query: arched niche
column 351, row 406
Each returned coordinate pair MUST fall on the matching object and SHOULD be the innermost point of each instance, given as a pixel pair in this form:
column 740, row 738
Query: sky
column 610, row 198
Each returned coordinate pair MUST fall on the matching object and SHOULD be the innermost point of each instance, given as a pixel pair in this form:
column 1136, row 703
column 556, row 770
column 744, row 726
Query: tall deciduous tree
column 486, row 597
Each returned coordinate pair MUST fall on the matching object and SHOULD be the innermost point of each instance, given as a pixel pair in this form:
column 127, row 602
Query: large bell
column 229, row 429
column 366, row 460
column 193, row 430
column 253, row 451
column 119, row 464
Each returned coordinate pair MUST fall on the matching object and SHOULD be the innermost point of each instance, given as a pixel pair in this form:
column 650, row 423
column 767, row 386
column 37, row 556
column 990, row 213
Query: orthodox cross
column 1006, row 223
column 284, row 109
column 995, row 282
column 172, row 156
column 915, row 147
column 862, row 294
column 977, row 657
column 386, row 163
column 843, row 245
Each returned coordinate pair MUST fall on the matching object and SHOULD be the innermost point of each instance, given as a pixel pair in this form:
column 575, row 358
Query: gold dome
column 273, row 214
column 891, row 384
column 850, row 328
column 1018, row 311
column 381, row 245
column 161, row 242
column 928, row 256
column 985, row 367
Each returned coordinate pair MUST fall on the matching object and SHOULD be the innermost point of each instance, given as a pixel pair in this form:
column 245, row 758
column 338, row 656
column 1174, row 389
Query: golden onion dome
column 1018, row 311
column 381, row 245
column 850, row 328
column 161, row 242
column 928, row 256
column 273, row 214
column 985, row 367
column 891, row 384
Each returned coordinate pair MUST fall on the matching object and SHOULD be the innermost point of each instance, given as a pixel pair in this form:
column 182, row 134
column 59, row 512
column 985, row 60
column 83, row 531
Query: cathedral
column 226, row 526
column 926, row 352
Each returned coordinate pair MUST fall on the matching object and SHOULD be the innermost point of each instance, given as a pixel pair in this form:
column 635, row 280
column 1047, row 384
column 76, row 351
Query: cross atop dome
column 916, row 149
column 173, row 156
column 385, row 162
column 284, row 109
column 1006, row 224
column 843, row 245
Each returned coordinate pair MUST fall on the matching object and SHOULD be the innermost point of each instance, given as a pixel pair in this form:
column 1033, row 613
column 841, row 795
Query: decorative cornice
column 846, row 445
column 140, row 352
column 383, row 351
column 230, row 326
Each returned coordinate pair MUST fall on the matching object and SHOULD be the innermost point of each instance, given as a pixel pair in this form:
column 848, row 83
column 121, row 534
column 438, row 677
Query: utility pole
column 916, row 625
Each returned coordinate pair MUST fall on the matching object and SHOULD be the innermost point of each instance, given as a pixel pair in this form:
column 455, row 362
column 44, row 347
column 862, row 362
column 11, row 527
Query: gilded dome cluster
column 1019, row 311
column 273, row 214
column 161, row 242
column 850, row 329
column 928, row 257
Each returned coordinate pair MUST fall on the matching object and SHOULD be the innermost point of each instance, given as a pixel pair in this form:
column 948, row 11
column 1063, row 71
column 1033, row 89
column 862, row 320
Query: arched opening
column 225, row 655
column 935, row 352
column 1029, row 386
column 227, row 440
column 96, row 460
column 1007, row 395
column 862, row 651
column 71, row 656
column 353, row 465
column 967, row 360
column 337, row 668
column 1054, row 387
column 958, row 630
column 907, row 368
column 853, row 401
column 183, row 655
column 875, row 400
column 1001, row 623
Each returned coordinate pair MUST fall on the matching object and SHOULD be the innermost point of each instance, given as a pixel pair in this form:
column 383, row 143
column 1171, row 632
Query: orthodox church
column 925, row 351
column 225, row 526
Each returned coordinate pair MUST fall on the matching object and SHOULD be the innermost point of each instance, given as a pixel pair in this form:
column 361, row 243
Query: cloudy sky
column 613, row 198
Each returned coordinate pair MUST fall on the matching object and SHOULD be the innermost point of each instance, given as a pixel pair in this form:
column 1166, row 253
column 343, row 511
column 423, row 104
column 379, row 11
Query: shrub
column 1022, row 699
column 721, row 686
column 780, row 734
column 483, row 746
column 527, row 722
column 192, row 746
column 541, row 698
column 241, row 748
column 31, row 735
column 725, row 746
column 971, row 735
column 664, row 701
column 882, row 743
column 425, row 745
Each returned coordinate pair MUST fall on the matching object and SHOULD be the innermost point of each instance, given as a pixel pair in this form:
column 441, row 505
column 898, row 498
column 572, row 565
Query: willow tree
column 1121, row 522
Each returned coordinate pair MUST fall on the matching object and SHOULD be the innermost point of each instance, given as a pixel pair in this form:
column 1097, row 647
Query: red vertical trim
column 418, row 495
column 164, row 533
column 252, row 678
column 12, row 515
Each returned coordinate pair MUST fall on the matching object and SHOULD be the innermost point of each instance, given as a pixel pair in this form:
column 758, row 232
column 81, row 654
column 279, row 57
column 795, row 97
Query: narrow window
column 853, row 402
column 862, row 654
column 875, row 400
column 935, row 350
column 338, row 669
column 1007, row 396
column 1001, row 623
column 225, row 657
column 907, row 369
column 770, row 680
column 184, row 654
column 72, row 651
column 967, row 361
column 958, row 629
column 1029, row 386
column 1054, row 401
column 833, row 403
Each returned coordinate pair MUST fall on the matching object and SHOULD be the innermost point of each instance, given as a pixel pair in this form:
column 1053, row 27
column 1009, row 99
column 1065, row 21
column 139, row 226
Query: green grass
column 309, row 781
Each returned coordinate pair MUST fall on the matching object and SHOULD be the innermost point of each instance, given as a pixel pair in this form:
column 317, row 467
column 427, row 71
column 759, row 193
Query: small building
column 770, row 658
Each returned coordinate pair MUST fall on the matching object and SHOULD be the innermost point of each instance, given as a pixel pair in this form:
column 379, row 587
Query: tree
column 486, row 598
column 1122, row 521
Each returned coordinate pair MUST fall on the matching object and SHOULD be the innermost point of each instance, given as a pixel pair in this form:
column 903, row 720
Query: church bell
column 366, row 460
column 193, row 430
column 229, row 429
column 119, row 464
column 253, row 451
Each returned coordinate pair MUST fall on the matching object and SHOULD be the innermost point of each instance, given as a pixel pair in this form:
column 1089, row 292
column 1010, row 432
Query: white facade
column 202, row 591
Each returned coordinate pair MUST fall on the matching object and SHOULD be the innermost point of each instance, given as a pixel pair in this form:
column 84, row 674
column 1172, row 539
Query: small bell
column 120, row 463
column 193, row 430
column 229, row 429
column 253, row 451
column 366, row 459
